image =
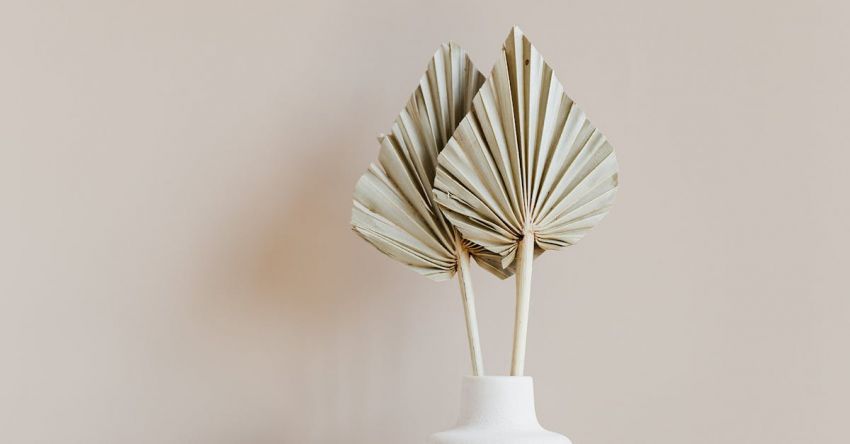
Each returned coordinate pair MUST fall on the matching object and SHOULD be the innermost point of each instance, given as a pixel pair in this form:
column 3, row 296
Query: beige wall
column 177, row 266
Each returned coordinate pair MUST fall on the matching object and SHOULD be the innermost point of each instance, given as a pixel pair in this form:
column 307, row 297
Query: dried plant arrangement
column 525, row 169
column 500, row 170
column 394, row 207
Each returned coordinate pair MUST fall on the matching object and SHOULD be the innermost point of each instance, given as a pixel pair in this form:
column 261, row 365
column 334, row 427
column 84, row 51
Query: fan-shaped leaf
column 525, row 160
column 394, row 208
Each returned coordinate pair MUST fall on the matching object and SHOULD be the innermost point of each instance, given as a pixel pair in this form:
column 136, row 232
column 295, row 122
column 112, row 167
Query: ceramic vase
column 497, row 410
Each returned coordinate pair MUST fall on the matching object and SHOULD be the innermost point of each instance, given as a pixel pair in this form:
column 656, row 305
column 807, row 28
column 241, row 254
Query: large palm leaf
column 525, row 169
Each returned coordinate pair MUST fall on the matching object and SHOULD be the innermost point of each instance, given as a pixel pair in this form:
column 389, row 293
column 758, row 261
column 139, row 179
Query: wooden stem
column 524, row 258
column 468, row 297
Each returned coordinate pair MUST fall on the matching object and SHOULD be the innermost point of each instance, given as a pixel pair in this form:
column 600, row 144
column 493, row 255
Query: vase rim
column 498, row 377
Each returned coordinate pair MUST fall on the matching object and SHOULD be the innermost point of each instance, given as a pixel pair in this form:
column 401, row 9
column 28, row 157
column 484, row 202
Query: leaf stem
column 468, row 297
column 524, row 259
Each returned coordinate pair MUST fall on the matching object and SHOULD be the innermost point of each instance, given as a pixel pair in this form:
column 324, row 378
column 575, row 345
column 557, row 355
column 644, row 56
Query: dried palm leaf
column 525, row 169
column 394, row 208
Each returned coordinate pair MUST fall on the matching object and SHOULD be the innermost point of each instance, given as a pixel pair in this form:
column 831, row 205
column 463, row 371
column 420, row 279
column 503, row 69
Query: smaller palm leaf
column 394, row 207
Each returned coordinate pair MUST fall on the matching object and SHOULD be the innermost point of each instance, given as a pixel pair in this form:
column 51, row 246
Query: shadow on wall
column 283, row 292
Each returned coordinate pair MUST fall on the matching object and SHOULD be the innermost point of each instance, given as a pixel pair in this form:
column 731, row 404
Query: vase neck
column 498, row 400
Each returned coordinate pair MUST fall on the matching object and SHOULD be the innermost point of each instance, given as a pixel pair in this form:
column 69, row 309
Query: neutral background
column 176, row 264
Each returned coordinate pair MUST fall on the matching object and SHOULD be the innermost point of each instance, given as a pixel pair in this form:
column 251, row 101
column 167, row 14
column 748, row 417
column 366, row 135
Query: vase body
column 497, row 410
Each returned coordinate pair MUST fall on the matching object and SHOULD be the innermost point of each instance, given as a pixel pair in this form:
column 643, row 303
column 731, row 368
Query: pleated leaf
column 525, row 160
column 394, row 207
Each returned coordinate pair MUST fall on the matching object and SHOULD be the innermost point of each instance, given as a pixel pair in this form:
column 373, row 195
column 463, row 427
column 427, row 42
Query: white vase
column 497, row 410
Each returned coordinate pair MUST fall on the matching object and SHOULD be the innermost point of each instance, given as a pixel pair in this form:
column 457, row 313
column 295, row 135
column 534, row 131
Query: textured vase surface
column 497, row 410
